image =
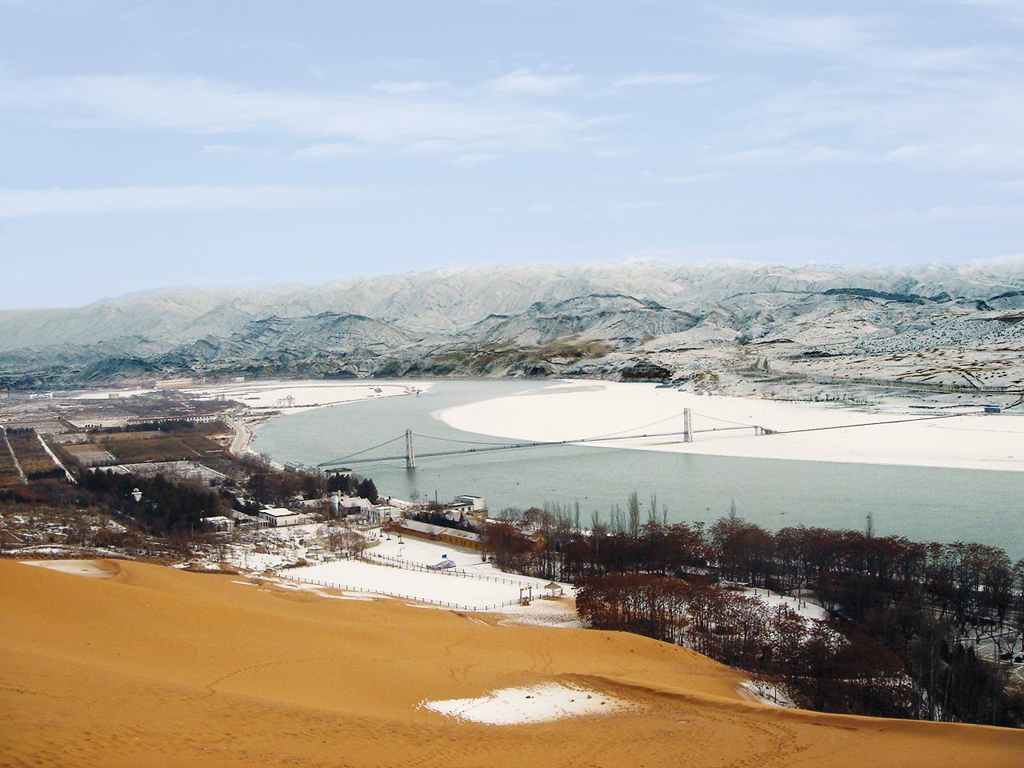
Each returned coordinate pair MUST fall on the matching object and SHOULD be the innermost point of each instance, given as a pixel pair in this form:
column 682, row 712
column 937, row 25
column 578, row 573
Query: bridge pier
column 410, row 454
column 687, row 428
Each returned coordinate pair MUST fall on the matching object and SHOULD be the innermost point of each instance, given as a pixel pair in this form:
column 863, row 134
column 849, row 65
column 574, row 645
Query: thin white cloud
column 1009, row 10
column 472, row 159
column 407, row 86
column 660, row 78
column 827, row 34
column 22, row 203
column 866, row 44
column 430, row 147
column 221, row 149
column 615, row 153
column 787, row 156
column 975, row 212
column 970, row 156
column 946, row 214
column 196, row 105
column 694, row 178
column 631, row 206
column 523, row 81
column 331, row 151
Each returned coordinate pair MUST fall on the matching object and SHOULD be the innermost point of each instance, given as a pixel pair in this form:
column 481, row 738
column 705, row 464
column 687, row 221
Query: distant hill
column 516, row 320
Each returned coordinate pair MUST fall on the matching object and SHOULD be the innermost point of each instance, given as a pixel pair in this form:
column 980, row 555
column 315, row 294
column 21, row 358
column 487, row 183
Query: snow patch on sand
column 536, row 704
column 77, row 567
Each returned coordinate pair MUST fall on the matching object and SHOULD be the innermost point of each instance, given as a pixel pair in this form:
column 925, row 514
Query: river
column 921, row 503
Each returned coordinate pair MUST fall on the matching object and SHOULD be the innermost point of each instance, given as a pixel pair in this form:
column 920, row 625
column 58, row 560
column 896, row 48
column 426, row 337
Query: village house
column 451, row 536
column 277, row 517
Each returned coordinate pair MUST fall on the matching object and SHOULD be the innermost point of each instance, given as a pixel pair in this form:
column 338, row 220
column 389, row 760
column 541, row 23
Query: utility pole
column 687, row 429
column 410, row 454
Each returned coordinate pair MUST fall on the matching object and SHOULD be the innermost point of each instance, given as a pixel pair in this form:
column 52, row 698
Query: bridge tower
column 687, row 428
column 410, row 454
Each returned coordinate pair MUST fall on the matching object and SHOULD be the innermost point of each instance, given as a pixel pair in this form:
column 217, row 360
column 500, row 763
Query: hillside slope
column 629, row 320
column 160, row 668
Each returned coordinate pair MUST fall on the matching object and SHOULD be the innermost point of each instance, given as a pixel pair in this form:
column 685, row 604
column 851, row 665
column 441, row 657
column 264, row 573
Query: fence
column 365, row 590
column 71, row 554
column 394, row 562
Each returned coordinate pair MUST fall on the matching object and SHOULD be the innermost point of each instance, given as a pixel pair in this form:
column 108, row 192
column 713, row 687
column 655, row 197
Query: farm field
column 134, row 447
column 35, row 461
column 9, row 475
column 88, row 454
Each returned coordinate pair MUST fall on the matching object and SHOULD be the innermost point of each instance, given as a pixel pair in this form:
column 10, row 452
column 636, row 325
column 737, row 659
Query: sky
column 237, row 142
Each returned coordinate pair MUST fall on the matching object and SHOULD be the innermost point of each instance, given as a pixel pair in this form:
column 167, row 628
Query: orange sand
column 155, row 667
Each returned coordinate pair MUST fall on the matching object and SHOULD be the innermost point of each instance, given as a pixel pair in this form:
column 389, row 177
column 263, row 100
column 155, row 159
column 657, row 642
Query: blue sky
column 171, row 143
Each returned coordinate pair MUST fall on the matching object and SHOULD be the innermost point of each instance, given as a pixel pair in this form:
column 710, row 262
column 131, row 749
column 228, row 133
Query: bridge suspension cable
column 490, row 446
column 456, row 440
column 351, row 456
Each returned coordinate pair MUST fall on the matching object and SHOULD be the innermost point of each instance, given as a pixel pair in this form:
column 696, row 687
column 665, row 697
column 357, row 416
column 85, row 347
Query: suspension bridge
column 687, row 433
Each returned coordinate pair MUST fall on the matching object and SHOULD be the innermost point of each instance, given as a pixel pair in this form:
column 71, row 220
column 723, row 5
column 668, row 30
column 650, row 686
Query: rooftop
column 437, row 530
column 278, row 512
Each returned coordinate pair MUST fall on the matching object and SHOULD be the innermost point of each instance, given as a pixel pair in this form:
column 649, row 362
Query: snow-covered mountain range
column 643, row 319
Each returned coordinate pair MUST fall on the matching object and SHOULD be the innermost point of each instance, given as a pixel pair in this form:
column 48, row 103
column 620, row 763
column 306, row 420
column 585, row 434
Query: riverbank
column 290, row 397
column 958, row 437
column 265, row 400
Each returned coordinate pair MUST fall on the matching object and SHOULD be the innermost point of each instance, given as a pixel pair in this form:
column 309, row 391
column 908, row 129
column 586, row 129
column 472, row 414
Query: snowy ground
column 537, row 704
column 77, row 567
column 107, row 394
column 449, row 590
column 423, row 552
column 472, row 585
column 799, row 605
column 613, row 409
column 273, row 395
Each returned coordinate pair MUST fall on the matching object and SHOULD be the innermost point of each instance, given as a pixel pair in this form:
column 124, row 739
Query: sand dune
column 156, row 667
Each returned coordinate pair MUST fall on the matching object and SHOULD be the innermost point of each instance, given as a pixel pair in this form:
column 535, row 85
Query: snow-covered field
column 459, row 591
column 423, row 552
column 107, row 394
column 273, row 395
column 472, row 585
column 537, row 704
column 613, row 409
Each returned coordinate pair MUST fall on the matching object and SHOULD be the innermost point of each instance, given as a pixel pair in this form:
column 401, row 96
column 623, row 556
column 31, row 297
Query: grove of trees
column 914, row 630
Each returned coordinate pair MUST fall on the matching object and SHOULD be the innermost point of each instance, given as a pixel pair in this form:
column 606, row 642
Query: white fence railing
column 394, row 562
column 368, row 591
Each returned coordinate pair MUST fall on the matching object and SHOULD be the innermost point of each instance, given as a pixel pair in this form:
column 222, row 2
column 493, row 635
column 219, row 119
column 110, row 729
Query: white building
column 276, row 517
column 383, row 512
column 474, row 503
